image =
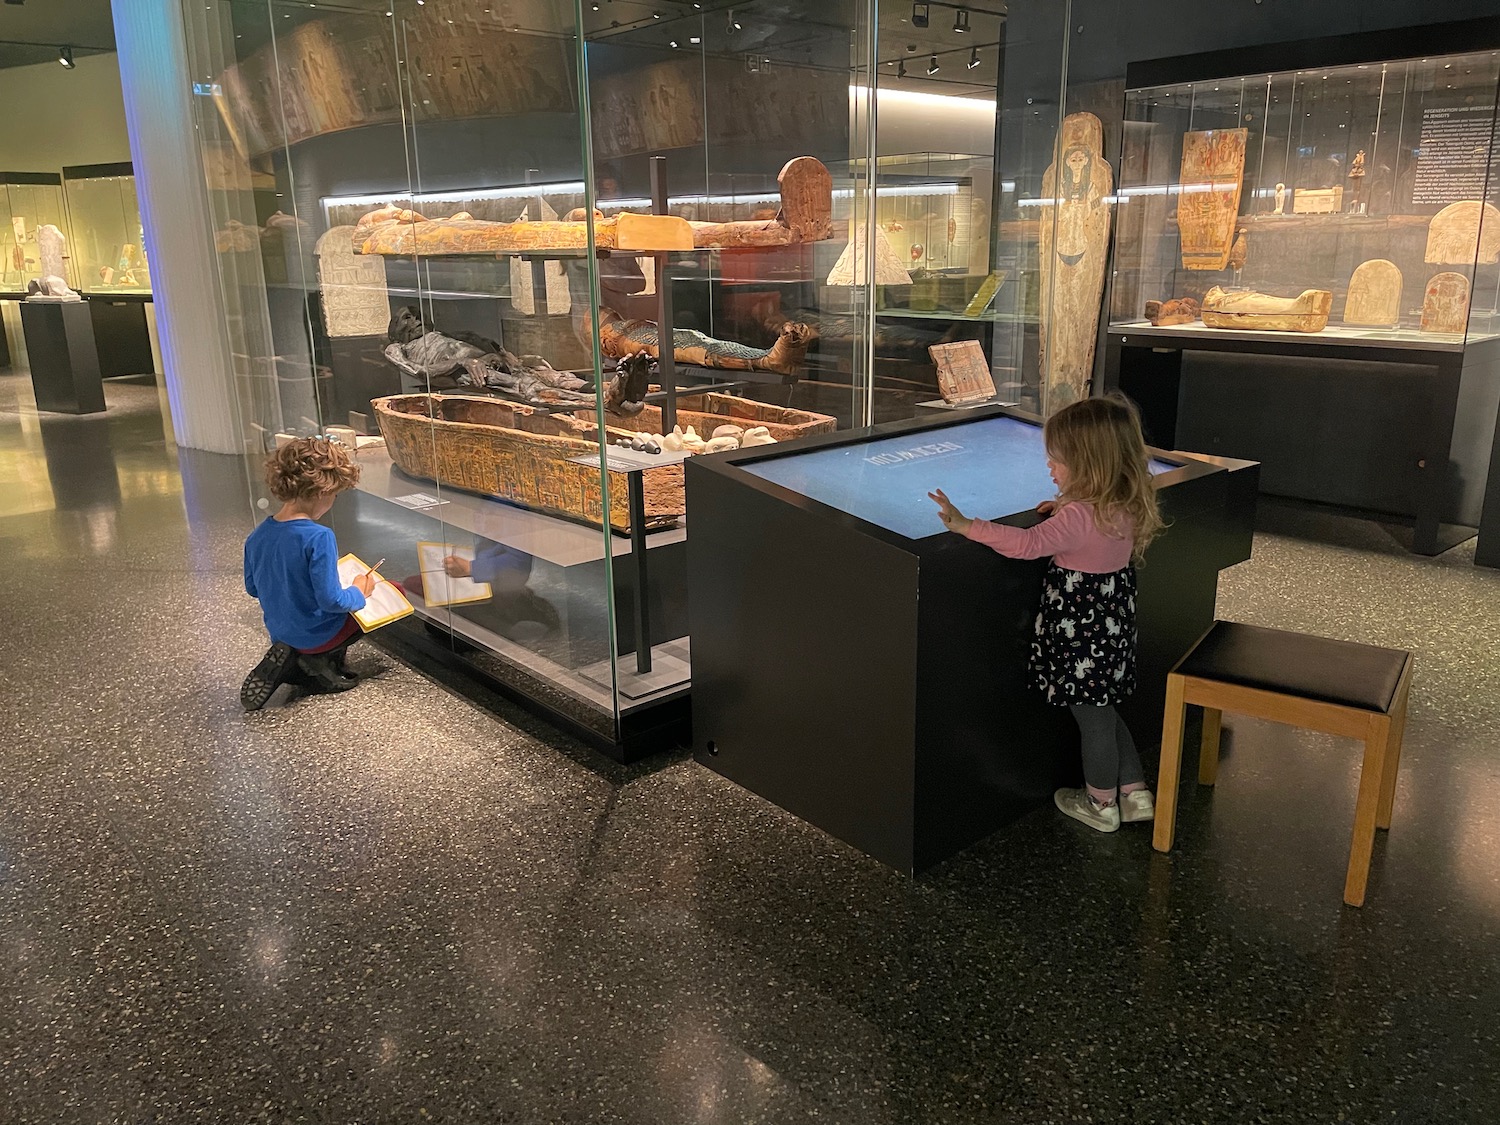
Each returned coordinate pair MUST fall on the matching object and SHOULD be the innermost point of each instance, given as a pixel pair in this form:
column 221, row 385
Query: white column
column 175, row 212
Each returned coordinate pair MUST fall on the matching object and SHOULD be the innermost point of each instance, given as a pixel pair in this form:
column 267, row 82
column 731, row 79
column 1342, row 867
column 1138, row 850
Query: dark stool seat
column 1339, row 672
column 1337, row 687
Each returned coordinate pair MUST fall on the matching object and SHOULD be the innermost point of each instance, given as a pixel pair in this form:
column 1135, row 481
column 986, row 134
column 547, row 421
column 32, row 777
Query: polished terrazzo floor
column 393, row 906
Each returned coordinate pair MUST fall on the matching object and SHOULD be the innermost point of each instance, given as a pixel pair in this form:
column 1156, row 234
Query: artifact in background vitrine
column 1306, row 312
column 1213, row 172
column 963, row 371
column 1464, row 232
column 353, row 287
column 1374, row 295
column 1074, row 241
column 1445, row 306
column 619, row 338
column 50, row 248
column 1179, row 310
column 1317, row 201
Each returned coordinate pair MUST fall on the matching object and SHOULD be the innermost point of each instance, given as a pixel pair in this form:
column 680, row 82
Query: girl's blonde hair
column 1099, row 440
column 309, row 467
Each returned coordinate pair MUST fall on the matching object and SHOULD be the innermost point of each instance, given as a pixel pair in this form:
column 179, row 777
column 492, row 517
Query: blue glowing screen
column 989, row 468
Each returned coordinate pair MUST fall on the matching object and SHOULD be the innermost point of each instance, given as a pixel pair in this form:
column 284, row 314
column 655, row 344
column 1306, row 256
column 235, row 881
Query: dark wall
column 1116, row 32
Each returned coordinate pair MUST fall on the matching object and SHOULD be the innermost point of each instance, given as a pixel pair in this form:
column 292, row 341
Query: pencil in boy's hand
column 376, row 567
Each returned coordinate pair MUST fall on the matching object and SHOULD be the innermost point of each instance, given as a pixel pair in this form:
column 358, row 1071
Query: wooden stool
column 1358, row 691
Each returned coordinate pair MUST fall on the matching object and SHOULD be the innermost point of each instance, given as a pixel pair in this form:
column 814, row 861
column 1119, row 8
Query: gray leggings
column 1109, row 755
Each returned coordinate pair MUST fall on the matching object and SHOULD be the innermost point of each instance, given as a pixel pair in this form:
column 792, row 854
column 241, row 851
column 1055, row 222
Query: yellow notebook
column 438, row 588
column 385, row 605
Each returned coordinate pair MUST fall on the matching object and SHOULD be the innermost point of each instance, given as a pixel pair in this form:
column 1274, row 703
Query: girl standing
column 1083, row 653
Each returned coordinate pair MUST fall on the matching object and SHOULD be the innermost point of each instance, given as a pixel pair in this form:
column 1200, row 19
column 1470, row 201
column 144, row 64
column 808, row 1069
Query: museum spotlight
column 733, row 24
column 65, row 56
column 921, row 15
column 974, row 58
column 932, row 65
column 961, row 21
column 901, row 70
column 672, row 43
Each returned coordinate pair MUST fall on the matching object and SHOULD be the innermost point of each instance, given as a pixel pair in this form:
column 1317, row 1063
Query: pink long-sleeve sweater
column 1070, row 536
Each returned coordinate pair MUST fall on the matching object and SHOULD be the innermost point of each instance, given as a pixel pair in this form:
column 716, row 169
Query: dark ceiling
column 791, row 32
column 32, row 32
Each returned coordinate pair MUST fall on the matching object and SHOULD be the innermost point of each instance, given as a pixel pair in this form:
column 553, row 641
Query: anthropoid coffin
column 524, row 456
column 707, row 412
column 805, row 215
column 1306, row 312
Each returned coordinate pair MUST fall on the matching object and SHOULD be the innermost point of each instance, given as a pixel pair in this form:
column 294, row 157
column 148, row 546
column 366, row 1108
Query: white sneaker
column 1137, row 806
column 1080, row 806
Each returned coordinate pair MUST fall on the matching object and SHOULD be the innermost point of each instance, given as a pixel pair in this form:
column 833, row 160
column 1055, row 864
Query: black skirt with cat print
column 1084, row 648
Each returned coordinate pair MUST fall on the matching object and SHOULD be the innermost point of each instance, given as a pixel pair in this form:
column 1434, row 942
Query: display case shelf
column 554, row 540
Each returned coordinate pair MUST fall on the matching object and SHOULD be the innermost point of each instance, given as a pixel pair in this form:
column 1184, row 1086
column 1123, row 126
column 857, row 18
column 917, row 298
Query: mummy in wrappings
column 620, row 338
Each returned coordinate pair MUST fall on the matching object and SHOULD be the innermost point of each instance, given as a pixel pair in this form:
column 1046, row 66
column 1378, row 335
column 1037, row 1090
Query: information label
column 1453, row 159
column 417, row 501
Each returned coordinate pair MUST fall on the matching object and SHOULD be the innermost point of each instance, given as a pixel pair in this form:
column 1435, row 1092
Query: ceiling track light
column 961, row 21
column 974, row 57
column 932, row 65
column 921, row 14
column 65, row 56
column 901, row 70
column 733, row 24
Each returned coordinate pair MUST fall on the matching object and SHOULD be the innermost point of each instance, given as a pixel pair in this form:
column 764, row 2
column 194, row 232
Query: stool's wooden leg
column 1167, row 776
column 1208, row 752
column 1366, row 809
column 1392, row 762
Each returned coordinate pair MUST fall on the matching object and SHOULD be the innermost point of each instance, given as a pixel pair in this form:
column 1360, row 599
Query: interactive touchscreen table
column 865, row 670
column 989, row 468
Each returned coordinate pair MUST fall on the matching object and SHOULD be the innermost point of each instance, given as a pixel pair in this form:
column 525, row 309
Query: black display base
column 1406, row 432
column 122, row 337
column 63, row 357
column 877, row 686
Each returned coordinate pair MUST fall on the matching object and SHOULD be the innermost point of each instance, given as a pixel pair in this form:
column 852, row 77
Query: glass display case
column 1307, row 267
column 30, row 201
column 1354, row 202
column 447, row 236
column 109, row 246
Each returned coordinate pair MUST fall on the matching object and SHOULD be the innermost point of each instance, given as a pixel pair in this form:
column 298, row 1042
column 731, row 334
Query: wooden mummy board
column 1213, row 174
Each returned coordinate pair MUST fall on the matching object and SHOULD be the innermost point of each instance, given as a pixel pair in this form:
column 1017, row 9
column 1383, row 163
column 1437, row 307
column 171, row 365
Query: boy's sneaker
column 1137, row 806
column 1080, row 806
column 322, row 674
column 274, row 669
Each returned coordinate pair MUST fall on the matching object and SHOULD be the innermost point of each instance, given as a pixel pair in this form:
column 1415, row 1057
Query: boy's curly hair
column 310, row 467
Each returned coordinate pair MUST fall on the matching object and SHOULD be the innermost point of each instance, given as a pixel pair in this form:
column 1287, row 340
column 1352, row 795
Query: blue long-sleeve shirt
column 292, row 567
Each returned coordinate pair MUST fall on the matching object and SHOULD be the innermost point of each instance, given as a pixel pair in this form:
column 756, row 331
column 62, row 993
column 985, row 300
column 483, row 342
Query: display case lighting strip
column 1127, row 194
column 530, row 191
